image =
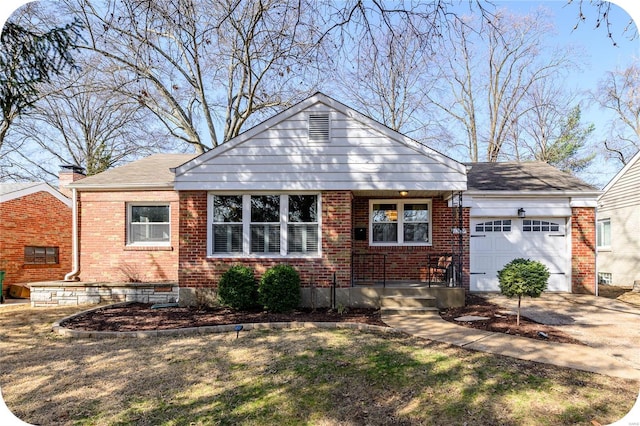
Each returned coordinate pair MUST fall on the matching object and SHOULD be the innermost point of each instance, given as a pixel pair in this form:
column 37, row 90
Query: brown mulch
column 503, row 321
column 140, row 317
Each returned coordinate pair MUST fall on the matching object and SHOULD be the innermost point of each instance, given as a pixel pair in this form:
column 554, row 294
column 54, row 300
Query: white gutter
column 71, row 276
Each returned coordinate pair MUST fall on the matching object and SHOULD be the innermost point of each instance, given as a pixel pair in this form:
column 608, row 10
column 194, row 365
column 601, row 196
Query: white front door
column 497, row 241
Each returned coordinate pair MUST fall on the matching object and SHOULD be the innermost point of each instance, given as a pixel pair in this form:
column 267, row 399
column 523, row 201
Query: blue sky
column 601, row 55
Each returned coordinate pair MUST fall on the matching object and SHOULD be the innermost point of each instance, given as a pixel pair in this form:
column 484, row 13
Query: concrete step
column 408, row 291
column 407, row 311
column 408, row 302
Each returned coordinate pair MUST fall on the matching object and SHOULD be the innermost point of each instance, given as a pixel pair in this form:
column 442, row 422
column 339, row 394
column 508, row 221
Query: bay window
column 400, row 222
column 264, row 225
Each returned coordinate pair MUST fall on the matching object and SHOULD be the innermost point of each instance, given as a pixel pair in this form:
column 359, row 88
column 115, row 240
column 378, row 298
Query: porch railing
column 369, row 269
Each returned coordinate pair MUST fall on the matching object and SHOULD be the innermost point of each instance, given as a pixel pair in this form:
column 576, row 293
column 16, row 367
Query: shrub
column 523, row 277
column 238, row 288
column 279, row 289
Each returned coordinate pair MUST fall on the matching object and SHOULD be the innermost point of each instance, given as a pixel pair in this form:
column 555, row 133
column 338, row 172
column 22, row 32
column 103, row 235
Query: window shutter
column 319, row 128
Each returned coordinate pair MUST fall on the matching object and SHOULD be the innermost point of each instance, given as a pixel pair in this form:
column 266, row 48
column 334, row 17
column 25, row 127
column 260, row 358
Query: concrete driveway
column 605, row 324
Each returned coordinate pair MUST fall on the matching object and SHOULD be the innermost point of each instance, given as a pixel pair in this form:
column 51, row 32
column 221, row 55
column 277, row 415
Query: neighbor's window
column 149, row 224
column 400, row 222
column 264, row 225
column 603, row 233
column 41, row 255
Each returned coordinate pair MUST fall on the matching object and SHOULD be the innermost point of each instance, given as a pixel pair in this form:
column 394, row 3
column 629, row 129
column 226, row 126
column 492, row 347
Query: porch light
column 522, row 213
column 404, row 193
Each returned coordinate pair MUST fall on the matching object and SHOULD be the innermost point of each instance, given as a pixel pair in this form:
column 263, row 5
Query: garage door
column 495, row 242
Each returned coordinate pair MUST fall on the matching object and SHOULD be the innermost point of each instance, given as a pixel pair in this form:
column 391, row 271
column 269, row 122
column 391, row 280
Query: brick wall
column 105, row 256
column 410, row 262
column 38, row 219
column 583, row 250
column 196, row 270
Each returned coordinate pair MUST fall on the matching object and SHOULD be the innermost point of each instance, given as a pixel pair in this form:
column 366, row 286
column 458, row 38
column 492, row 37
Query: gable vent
column 319, row 127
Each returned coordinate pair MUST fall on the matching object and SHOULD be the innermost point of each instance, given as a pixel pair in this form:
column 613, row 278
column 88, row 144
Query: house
column 35, row 233
column 357, row 208
column 618, row 227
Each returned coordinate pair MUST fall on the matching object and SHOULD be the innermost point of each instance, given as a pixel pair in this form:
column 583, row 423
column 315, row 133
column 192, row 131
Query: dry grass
column 330, row 377
column 622, row 293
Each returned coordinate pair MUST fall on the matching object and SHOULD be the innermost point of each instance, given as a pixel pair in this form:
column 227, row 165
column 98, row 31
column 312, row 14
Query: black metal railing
column 368, row 269
column 444, row 268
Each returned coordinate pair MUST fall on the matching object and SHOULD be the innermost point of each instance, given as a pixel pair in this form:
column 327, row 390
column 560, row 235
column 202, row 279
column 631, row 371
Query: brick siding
column 37, row 219
column 340, row 214
column 583, row 250
column 105, row 256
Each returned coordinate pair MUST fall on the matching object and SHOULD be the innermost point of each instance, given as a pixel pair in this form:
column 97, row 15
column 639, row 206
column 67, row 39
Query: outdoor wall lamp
column 404, row 193
column 522, row 212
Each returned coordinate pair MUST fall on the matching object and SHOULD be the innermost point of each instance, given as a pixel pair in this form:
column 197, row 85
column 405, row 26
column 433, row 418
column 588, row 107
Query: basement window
column 41, row 255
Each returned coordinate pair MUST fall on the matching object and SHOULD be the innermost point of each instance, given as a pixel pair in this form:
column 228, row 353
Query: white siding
column 621, row 204
column 361, row 155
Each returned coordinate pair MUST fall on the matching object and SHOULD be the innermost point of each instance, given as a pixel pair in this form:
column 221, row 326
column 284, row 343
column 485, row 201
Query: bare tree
column 81, row 121
column 619, row 91
column 490, row 69
column 388, row 81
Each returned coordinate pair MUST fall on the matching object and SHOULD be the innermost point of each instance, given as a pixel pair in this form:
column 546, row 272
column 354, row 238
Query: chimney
column 68, row 174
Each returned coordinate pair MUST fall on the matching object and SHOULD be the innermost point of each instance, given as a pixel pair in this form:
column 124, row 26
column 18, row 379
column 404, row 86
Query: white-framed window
column 605, row 278
column 400, row 222
column 264, row 225
column 603, row 234
column 535, row 225
column 502, row 225
column 148, row 224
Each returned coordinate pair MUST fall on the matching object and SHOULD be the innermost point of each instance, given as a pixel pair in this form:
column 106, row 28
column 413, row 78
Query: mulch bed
column 140, row 317
column 503, row 321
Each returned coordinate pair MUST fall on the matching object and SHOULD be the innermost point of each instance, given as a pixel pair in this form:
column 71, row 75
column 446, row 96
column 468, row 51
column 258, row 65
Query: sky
column 600, row 55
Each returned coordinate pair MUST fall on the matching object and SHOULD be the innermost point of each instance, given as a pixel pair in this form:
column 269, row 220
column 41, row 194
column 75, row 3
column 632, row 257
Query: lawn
column 320, row 377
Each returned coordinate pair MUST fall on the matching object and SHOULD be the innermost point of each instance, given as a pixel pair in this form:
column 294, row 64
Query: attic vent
column 319, row 128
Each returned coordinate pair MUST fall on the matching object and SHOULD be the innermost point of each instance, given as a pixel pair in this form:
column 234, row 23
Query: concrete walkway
column 431, row 326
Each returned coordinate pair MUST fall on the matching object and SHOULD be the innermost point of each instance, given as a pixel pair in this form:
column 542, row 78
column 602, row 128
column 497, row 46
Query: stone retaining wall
column 58, row 293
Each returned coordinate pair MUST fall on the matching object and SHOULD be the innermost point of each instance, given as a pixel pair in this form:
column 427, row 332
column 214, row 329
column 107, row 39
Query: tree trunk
column 518, row 315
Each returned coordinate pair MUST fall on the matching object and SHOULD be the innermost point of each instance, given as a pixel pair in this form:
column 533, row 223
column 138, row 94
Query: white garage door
column 495, row 242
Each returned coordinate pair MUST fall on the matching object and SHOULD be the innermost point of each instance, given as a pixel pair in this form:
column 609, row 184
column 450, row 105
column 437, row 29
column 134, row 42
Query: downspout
column 597, row 286
column 71, row 276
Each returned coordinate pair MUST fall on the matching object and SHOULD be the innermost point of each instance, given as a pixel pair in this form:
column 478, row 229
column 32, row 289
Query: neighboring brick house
column 344, row 199
column 35, row 233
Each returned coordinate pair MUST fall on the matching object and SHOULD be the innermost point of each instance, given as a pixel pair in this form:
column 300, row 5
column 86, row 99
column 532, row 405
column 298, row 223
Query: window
column 400, row 222
column 227, row 224
column 149, row 224
column 529, row 225
column 302, row 229
column 264, row 225
column 494, row 226
column 41, row 255
column 603, row 233
column 605, row 278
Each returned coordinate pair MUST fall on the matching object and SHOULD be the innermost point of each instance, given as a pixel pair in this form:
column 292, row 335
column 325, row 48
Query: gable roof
column 622, row 172
column 522, row 177
column 153, row 172
column 12, row 191
column 362, row 154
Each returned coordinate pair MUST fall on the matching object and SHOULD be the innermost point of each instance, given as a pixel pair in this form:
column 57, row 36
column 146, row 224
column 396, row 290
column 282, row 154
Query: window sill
column 603, row 249
column 262, row 257
column 148, row 248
